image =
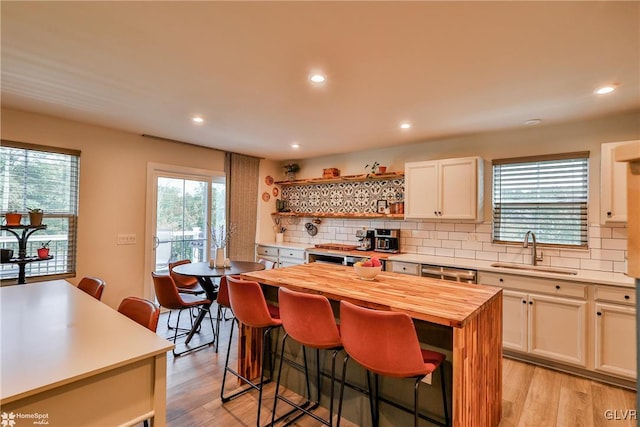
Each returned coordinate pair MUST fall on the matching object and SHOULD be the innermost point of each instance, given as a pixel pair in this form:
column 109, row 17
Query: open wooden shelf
column 346, row 178
column 338, row 215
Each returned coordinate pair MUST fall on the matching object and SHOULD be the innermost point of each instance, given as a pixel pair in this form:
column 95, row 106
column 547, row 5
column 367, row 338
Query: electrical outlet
column 126, row 239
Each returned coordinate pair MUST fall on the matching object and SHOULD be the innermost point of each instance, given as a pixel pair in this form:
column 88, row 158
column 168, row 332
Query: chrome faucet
column 534, row 255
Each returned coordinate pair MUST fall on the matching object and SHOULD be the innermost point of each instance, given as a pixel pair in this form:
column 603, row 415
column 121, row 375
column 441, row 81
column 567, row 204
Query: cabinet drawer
column 292, row 253
column 267, row 250
column 619, row 295
column 530, row 284
column 404, row 268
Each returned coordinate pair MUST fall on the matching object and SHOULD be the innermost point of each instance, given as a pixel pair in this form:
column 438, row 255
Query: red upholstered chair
column 92, row 286
column 185, row 284
column 142, row 311
column 249, row 308
column 223, row 304
column 386, row 343
column 309, row 320
column 169, row 297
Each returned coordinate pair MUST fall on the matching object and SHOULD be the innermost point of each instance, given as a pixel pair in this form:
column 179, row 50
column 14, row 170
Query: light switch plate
column 126, row 239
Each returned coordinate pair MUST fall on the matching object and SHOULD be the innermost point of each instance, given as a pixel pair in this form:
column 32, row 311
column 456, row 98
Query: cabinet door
column 557, row 329
column 613, row 186
column 615, row 340
column 514, row 320
column 421, row 190
column 458, row 188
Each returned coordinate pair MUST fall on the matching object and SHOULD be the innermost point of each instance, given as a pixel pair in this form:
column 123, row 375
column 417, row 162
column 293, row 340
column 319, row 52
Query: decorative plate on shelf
column 266, row 196
column 275, row 191
column 268, row 180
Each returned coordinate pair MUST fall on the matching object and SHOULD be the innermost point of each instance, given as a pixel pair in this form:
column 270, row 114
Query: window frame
column 582, row 206
column 71, row 215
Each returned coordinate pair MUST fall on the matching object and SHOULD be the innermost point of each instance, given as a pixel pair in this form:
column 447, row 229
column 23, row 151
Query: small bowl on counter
column 367, row 273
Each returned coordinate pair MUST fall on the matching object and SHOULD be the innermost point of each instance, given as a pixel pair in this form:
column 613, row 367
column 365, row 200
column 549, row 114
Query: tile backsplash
column 606, row 252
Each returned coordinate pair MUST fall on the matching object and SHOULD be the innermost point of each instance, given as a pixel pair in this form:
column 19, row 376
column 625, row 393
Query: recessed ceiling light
column 605, row 90
column 295, row 145
column 533, row 122
column 405, row 125
column 198, row 119
column 317, row 78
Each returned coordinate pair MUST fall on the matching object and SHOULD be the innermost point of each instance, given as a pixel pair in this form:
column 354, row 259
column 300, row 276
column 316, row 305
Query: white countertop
column 54, row 334
column 588, row 276
column 286, row 245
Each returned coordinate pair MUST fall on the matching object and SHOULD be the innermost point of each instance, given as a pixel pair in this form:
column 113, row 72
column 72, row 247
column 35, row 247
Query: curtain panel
column 242, row 193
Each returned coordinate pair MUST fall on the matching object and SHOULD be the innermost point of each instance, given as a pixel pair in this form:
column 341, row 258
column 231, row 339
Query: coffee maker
column 365, row 239
column 387, row 240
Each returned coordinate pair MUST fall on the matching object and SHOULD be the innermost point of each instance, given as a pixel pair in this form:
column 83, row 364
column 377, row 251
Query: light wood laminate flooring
column 532, row 396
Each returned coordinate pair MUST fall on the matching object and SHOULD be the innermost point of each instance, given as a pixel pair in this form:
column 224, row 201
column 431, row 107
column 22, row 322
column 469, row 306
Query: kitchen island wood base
column 472, row 312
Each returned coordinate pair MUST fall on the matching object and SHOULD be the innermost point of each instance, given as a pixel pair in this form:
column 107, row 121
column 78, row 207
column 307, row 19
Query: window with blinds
column 547, row 195
column 33, row 176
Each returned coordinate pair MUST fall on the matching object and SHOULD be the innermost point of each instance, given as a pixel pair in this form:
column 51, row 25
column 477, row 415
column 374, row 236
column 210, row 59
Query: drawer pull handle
column 501, row 279
column 530, row 302
column 557, row 286
column 524, row 301
column 599, row 313
column 609, row 214
column 626, row 297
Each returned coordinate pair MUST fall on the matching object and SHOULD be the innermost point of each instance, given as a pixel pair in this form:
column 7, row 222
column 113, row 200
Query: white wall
column 458, row 239
column 113, row 177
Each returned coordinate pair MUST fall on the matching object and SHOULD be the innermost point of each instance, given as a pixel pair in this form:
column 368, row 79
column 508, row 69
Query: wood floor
column 532, row 396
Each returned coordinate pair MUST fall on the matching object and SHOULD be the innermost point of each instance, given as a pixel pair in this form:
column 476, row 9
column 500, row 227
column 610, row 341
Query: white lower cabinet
column 558, row 329
column 514, row 320
column 543, row 317
column 546, row 326
column 615, row 331
column 282, row 257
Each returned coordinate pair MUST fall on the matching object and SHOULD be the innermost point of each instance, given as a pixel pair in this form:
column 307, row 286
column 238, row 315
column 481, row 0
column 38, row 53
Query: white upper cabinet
column 613, row 185
column 444, row 189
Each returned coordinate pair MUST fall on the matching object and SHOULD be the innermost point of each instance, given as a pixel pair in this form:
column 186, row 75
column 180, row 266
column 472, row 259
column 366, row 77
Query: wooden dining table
column 471, row 313
column 206, row 275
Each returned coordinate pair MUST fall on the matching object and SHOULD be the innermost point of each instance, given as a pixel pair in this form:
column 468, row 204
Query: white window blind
column 33, row 176
column 547, row 195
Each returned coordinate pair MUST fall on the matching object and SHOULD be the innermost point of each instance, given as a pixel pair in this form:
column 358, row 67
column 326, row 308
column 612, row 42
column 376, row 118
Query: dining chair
column 386, row 343
column 142, row 311
column 93, row 286
column 250, row 308
column 308, row 319
column 169, row 297
column 185, row 284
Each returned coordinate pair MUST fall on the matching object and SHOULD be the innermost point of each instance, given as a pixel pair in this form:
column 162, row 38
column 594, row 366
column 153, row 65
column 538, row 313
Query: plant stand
column 22, row 233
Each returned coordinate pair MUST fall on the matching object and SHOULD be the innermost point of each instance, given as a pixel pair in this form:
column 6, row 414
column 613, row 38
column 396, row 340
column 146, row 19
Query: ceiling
column 449, row 68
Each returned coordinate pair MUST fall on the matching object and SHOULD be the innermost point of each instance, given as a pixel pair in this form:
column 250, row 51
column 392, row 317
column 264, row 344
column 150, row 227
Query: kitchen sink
column 540, row 268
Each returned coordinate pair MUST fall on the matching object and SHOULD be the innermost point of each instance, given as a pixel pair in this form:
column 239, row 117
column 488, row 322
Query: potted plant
column 43, row 250
column 35, row 216
column 290, row 170
column 13, row 218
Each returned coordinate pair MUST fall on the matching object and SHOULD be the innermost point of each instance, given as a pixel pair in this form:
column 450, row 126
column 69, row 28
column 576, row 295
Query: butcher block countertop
column 432, row 300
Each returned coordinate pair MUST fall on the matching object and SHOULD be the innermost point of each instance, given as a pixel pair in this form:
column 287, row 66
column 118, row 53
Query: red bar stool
column 386, row 343
column 309, row 320
column 250, row 308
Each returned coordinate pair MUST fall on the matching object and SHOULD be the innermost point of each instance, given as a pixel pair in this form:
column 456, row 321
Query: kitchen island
column 471, row 313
